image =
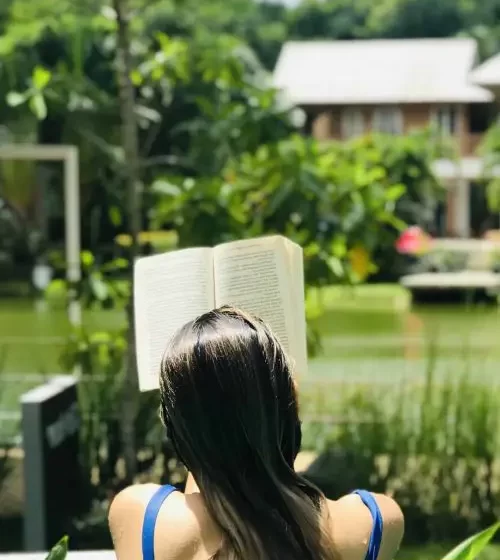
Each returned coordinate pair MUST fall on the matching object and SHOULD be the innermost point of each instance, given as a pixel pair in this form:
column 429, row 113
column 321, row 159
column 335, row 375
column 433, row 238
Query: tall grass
column 5, row 465
column 434, row 445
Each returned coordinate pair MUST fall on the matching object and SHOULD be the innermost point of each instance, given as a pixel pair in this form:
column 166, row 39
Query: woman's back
column 229, row 404
column 182, row 528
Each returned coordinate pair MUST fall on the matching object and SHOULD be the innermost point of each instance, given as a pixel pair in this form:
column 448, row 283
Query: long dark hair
column 229, row 403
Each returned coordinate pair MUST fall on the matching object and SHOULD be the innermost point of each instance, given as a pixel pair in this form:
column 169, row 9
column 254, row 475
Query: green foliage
column 99, row 358
column 102, row 284
column 192, row 91
column 337, row 200
column 34, row 96
column 5, row 460
column 490, row 151
column 417, row 18
column 434, row 446
column 471, row 548
column 336, row 19
column 30, row 21
column 11, row 231
column 18, row 242
column 235, row 108
column 59, row 551
column 206, row 108
column 343, row 19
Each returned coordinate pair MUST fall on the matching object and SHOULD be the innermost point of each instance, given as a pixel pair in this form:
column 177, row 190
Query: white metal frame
column 68, row 156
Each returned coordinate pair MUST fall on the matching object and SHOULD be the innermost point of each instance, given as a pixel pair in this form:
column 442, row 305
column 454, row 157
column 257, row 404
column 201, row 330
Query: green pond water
column 358, row 344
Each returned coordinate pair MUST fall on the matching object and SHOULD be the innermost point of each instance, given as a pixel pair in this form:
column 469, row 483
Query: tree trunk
column 131, row 164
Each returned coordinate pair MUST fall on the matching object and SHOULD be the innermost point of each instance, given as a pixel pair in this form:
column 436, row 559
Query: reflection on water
column 369, row 346
column 356, row 343
column 358, row 346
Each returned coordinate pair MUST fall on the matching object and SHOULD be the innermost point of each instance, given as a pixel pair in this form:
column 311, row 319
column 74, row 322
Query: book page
column 296, row 264
column 169, row 290
column 255, row 276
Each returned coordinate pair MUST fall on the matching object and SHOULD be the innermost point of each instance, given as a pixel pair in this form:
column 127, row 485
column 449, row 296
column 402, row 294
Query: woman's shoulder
column 186, row 530
column 352, row 523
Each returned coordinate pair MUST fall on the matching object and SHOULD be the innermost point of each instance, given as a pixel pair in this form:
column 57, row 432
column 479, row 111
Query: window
column 481, row 116
column 308, row 125
column 445, row 119
column 388, row 120
column 352, row 123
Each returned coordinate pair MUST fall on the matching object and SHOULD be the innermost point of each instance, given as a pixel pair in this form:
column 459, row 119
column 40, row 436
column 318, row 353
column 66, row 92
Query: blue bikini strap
column 148, row 527
column 378, row 524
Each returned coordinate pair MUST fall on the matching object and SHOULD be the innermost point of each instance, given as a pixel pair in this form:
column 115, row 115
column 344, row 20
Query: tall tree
column 130, row 146
column 408, row 19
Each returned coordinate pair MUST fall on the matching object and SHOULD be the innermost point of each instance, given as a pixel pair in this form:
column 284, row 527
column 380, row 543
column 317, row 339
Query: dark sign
column 52, row 475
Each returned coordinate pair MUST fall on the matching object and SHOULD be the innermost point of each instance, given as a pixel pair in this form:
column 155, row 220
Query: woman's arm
column 352, row 524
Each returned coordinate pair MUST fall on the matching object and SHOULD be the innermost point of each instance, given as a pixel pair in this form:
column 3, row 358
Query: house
column 348, row 88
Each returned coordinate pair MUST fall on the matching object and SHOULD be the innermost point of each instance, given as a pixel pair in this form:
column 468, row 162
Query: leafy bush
column 99, row 358
column 337, row 200
column 5, row 463
column 434, row 446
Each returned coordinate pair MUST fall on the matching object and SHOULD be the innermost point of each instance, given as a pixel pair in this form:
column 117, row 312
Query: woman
column 229, row 405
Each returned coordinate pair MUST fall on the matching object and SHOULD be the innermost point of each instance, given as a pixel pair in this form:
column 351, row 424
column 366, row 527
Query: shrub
column 434, row 446
column 99, row 358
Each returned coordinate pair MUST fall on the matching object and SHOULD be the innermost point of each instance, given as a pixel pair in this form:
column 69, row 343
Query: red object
column 412, row 241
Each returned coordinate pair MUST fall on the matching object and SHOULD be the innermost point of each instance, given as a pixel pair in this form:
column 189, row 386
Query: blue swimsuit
column 148, row 528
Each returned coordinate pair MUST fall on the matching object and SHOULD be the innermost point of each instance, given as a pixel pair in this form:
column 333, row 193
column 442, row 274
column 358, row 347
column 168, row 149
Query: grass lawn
column 366, row 298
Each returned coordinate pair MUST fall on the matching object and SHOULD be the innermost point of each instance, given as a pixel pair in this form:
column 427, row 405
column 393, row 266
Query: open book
column 264, row 276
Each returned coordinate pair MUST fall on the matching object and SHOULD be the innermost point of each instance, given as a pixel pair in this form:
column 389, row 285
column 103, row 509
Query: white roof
column 379, row 71
column 488, row 73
